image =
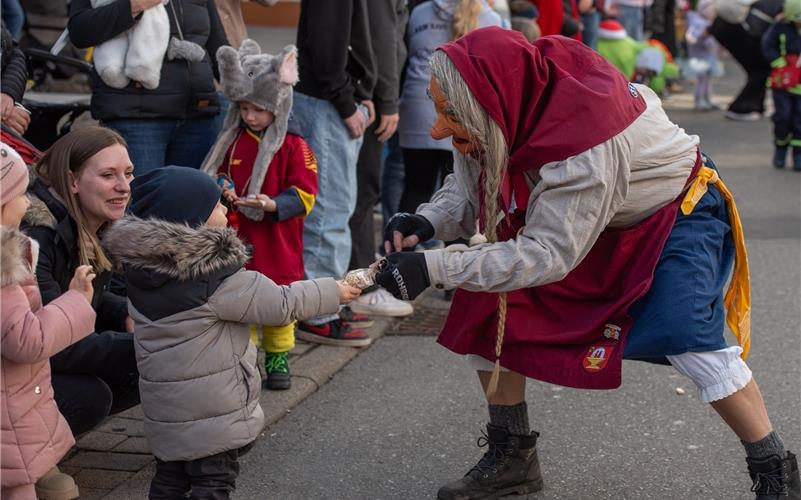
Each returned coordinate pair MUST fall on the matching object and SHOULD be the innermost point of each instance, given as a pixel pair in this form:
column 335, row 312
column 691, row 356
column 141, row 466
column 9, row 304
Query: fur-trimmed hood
column 173, row 250
column 17, row 256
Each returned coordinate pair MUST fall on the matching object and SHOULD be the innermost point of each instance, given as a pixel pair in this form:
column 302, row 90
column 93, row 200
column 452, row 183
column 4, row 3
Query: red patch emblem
column 597, row 357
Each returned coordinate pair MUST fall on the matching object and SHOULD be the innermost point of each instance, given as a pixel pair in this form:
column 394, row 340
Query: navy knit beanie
column 175, row 194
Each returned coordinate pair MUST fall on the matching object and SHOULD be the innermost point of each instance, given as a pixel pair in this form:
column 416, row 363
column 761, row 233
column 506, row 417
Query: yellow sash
column 738, row 296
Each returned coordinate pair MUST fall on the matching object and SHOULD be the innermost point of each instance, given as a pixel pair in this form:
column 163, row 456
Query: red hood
column 552, row 99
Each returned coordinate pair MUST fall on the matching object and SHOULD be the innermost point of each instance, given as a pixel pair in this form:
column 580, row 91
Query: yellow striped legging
column 274, row 338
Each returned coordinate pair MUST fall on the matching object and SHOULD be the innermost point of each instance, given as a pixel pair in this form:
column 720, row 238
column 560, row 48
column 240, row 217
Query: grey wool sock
column 514, row 418
column 769, row 445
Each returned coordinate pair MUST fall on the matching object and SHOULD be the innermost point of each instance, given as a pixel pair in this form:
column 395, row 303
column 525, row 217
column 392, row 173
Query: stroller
column 53, row 113
column 54, row 100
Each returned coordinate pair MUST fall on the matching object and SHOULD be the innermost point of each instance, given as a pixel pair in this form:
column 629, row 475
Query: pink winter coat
column 34, row 434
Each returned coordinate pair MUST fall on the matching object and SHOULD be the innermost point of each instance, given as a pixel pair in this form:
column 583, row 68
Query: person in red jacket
column 269, row 178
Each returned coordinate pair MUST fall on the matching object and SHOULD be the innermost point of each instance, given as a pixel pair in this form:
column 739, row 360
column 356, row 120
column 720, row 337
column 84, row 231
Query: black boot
column 775, row 478
column 510, row 466
column 779, row 156
column 796, row 158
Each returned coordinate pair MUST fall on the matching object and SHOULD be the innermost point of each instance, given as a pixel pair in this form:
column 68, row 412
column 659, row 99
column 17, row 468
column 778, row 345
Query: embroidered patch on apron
column 597, row 357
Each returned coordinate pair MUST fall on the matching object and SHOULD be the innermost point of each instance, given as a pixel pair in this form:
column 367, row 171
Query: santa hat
column 611, row 30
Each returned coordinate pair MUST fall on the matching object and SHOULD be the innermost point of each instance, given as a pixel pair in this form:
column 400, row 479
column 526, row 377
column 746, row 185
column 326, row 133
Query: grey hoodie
column 429, row 27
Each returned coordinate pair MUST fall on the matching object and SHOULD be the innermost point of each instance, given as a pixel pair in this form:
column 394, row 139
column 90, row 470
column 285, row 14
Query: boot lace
column 276, row 362
column 493, row 455
column 769, row 482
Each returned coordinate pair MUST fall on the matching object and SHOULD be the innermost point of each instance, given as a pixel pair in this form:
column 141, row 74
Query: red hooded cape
column 553, row 100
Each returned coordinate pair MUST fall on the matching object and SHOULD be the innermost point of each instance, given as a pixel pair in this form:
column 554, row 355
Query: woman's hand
column 18, row 118
column 405, row 230
column 82, row 282
column 347, row 292
column 261, row 201
column 6, row 105
column 404, row 274
column 138, row 6
column 129, row 324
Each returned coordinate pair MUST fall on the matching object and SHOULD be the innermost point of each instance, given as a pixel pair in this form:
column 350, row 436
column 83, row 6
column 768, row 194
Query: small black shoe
column 276, row 364
column 509, row 467
column 775, row 478
column 796, row 158
column 780, row 156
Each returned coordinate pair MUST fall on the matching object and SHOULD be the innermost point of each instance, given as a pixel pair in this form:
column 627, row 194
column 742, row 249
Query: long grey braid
column 486, row 136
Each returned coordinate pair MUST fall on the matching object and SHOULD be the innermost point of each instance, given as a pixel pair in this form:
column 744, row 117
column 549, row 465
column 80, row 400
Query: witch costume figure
column 609, row 236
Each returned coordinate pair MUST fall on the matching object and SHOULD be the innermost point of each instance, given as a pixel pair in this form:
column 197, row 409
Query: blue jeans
column 154, row 143
column 632, row 19
column 589, row 35
column 219, row 120
column 326, row 234
column 392, row 175
column 13, row 17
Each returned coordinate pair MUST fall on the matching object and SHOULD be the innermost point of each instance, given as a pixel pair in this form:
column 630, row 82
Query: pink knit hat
column 13, row 174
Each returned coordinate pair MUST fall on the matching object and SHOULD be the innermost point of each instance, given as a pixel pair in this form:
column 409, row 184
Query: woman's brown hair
column 69, row 154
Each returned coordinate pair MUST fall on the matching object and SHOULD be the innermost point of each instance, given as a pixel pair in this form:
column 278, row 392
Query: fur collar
column 17, row 256
column 38, row 214
column 175, row 250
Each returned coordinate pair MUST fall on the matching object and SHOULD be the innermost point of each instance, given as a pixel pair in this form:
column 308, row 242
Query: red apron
column 571, row 332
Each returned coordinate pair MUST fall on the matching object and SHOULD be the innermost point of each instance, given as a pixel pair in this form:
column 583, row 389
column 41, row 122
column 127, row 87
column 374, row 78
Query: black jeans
column 94, row 378
column 787, row 117
column 425, row 169
column 207, row 478
column 368, row 178
column 747, row 51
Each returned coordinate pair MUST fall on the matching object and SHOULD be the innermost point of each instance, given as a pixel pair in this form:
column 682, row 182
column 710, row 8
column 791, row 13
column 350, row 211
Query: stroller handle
column 47, row 56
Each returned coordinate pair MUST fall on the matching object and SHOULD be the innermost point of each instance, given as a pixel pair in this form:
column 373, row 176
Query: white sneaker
column 743, row 117
column 381, row 303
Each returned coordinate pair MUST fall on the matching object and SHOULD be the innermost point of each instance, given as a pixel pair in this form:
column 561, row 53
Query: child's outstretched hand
column 82, row 281
column 230, row 195
column 260, row 200
column 347, row 292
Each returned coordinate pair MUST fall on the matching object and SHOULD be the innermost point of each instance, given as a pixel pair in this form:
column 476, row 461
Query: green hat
column 792, row 10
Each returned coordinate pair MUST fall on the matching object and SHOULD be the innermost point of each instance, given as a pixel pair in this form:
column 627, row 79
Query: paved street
column 402, row 418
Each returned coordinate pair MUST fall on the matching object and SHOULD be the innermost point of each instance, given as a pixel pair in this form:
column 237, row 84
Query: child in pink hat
column 34, row 434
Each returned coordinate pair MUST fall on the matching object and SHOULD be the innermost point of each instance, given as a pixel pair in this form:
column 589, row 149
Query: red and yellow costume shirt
column 291, row 180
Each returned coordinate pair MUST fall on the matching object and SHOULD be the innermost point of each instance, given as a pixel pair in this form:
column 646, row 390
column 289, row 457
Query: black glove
column 408, row 224
column 404, row 275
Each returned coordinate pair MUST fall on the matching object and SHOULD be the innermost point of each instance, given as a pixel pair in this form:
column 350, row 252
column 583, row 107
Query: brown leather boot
column 55, row 485
column 509, row 467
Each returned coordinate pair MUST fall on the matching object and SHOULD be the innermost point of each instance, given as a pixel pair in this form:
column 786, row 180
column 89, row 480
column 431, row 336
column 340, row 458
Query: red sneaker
column 335, row 332
column 354, row 319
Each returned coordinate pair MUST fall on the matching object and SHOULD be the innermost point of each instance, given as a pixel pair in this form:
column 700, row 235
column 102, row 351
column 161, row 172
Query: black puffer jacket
column 186, row 89
column 48, row 222
column 14, row 71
